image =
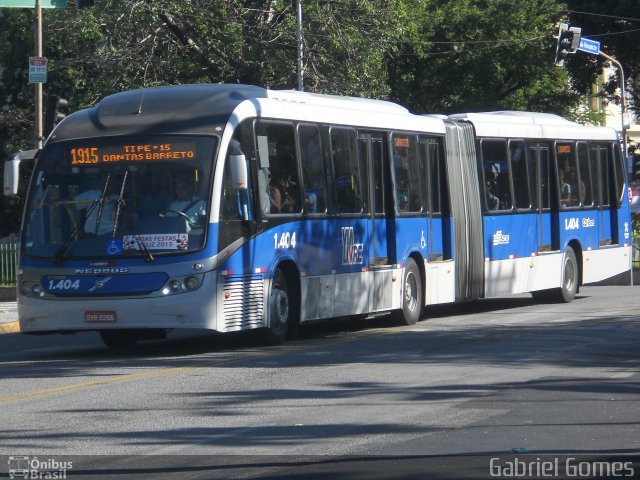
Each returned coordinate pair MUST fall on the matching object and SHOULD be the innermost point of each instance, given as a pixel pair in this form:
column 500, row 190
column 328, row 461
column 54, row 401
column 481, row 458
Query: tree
column 469, row 55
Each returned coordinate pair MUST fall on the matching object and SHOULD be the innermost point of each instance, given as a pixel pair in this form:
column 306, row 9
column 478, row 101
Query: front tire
column 280, row 310
column 412, row 295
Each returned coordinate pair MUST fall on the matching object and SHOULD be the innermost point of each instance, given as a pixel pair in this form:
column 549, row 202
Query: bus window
column 407, row 174
column 601, row 157
column 496, row 171
column 567, row 177
column 584, row 175
column 348, row 183
column 518, row 159
column 278, row 167
column 431, row 150
column 315, row 194
column 620, row 175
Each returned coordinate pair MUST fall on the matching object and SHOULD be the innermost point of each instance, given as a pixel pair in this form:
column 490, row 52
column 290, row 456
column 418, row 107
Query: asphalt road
column 351, row 399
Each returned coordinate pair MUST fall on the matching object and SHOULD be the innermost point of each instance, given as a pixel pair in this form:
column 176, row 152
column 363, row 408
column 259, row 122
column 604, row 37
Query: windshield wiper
column 101, row 200
column 143, row 246
column 120, row 204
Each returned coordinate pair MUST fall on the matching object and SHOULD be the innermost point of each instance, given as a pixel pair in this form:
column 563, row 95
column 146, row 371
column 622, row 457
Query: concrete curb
column 9, row 327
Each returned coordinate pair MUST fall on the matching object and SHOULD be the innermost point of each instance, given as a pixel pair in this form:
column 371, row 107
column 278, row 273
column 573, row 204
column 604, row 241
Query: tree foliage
column 435, row 56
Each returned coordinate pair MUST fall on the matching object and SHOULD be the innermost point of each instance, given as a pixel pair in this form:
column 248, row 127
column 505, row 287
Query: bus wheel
column 119, row 340
column 279, row 310
column 567, row 292
column 412, row 295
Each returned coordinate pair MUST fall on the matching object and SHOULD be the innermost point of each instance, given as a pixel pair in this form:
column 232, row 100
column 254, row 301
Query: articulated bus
column 230, row 207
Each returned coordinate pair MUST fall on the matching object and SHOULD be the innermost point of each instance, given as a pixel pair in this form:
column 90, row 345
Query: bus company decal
column 351, row 251
column 500, row 238
column 588, row 222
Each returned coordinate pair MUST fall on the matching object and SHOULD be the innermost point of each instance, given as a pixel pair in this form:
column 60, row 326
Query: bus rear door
column 382, row 239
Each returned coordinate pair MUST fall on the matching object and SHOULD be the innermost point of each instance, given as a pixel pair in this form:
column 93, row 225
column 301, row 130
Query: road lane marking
column 289, row 347
column 9, row 327
column 96, row 383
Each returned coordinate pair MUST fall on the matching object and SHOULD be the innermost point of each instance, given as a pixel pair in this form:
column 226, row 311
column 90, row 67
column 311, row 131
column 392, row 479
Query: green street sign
column 32, row 3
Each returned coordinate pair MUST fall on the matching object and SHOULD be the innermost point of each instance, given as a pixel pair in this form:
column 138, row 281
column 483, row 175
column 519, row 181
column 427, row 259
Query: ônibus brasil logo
column 33, row 467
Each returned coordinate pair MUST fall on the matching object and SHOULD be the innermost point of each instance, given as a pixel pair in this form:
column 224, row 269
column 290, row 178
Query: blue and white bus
column 230, row 207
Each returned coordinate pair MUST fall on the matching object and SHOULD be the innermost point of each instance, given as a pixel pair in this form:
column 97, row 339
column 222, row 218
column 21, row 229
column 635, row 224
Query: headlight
column 175, row 285
column 36, row 289
column 191, row 283
column 25, row 288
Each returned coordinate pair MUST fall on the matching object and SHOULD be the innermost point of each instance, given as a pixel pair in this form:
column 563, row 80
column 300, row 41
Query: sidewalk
column 8, row 312
column 9, row 318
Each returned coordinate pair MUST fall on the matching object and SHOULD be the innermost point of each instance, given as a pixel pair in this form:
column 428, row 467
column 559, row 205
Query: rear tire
column 280, row 310
column 570, row 278
column 119, row 340
column 412, row 295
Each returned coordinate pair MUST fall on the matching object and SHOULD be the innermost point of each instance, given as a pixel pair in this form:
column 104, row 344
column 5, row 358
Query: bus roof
column 198, row 108
column 518, row 124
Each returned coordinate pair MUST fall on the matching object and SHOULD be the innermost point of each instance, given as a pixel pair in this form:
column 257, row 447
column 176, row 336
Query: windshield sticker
column 156, row 241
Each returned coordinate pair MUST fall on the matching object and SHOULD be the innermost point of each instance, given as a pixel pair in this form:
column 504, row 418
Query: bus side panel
column 510, row 245
column 440, row 282
column 605, row 262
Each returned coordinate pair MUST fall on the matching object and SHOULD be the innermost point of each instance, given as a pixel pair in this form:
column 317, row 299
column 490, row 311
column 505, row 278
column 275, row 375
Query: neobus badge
column 101, row 270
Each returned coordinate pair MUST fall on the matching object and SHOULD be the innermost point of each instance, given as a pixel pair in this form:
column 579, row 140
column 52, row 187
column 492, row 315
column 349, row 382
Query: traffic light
column 55, row 110
column 568, row 42
column 85, row 3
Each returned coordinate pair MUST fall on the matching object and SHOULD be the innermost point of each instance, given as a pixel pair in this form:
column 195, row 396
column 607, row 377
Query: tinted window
column 348, row 182
column 567, row 174
column 496, row 174
column 315, row 194
column 407, row 173
column 518, row 157
column 278, row 168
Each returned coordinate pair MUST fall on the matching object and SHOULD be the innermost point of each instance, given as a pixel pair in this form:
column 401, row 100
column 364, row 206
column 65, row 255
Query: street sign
column 589, row 46
column 32, row 3
column 37, row 70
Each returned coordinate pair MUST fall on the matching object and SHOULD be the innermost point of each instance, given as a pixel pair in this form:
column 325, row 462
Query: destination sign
column 137, row 152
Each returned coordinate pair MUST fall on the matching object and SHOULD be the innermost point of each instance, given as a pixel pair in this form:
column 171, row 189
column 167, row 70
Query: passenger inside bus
column 187, row 203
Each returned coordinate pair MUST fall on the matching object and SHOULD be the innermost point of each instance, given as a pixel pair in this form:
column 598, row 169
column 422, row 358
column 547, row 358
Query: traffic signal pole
column 622, row 103
column 38, row 86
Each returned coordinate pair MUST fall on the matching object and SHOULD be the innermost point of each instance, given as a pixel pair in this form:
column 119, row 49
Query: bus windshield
column 120, row 197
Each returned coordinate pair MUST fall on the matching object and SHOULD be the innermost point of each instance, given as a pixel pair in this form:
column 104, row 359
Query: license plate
column 101, row 316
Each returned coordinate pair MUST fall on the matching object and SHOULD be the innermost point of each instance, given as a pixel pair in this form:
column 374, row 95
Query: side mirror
column 239, row 176
column 12, row 170
column 11, row 176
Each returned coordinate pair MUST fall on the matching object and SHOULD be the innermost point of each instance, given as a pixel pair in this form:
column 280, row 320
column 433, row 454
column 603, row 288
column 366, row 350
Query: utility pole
column 300, row 49
column 38, row 86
